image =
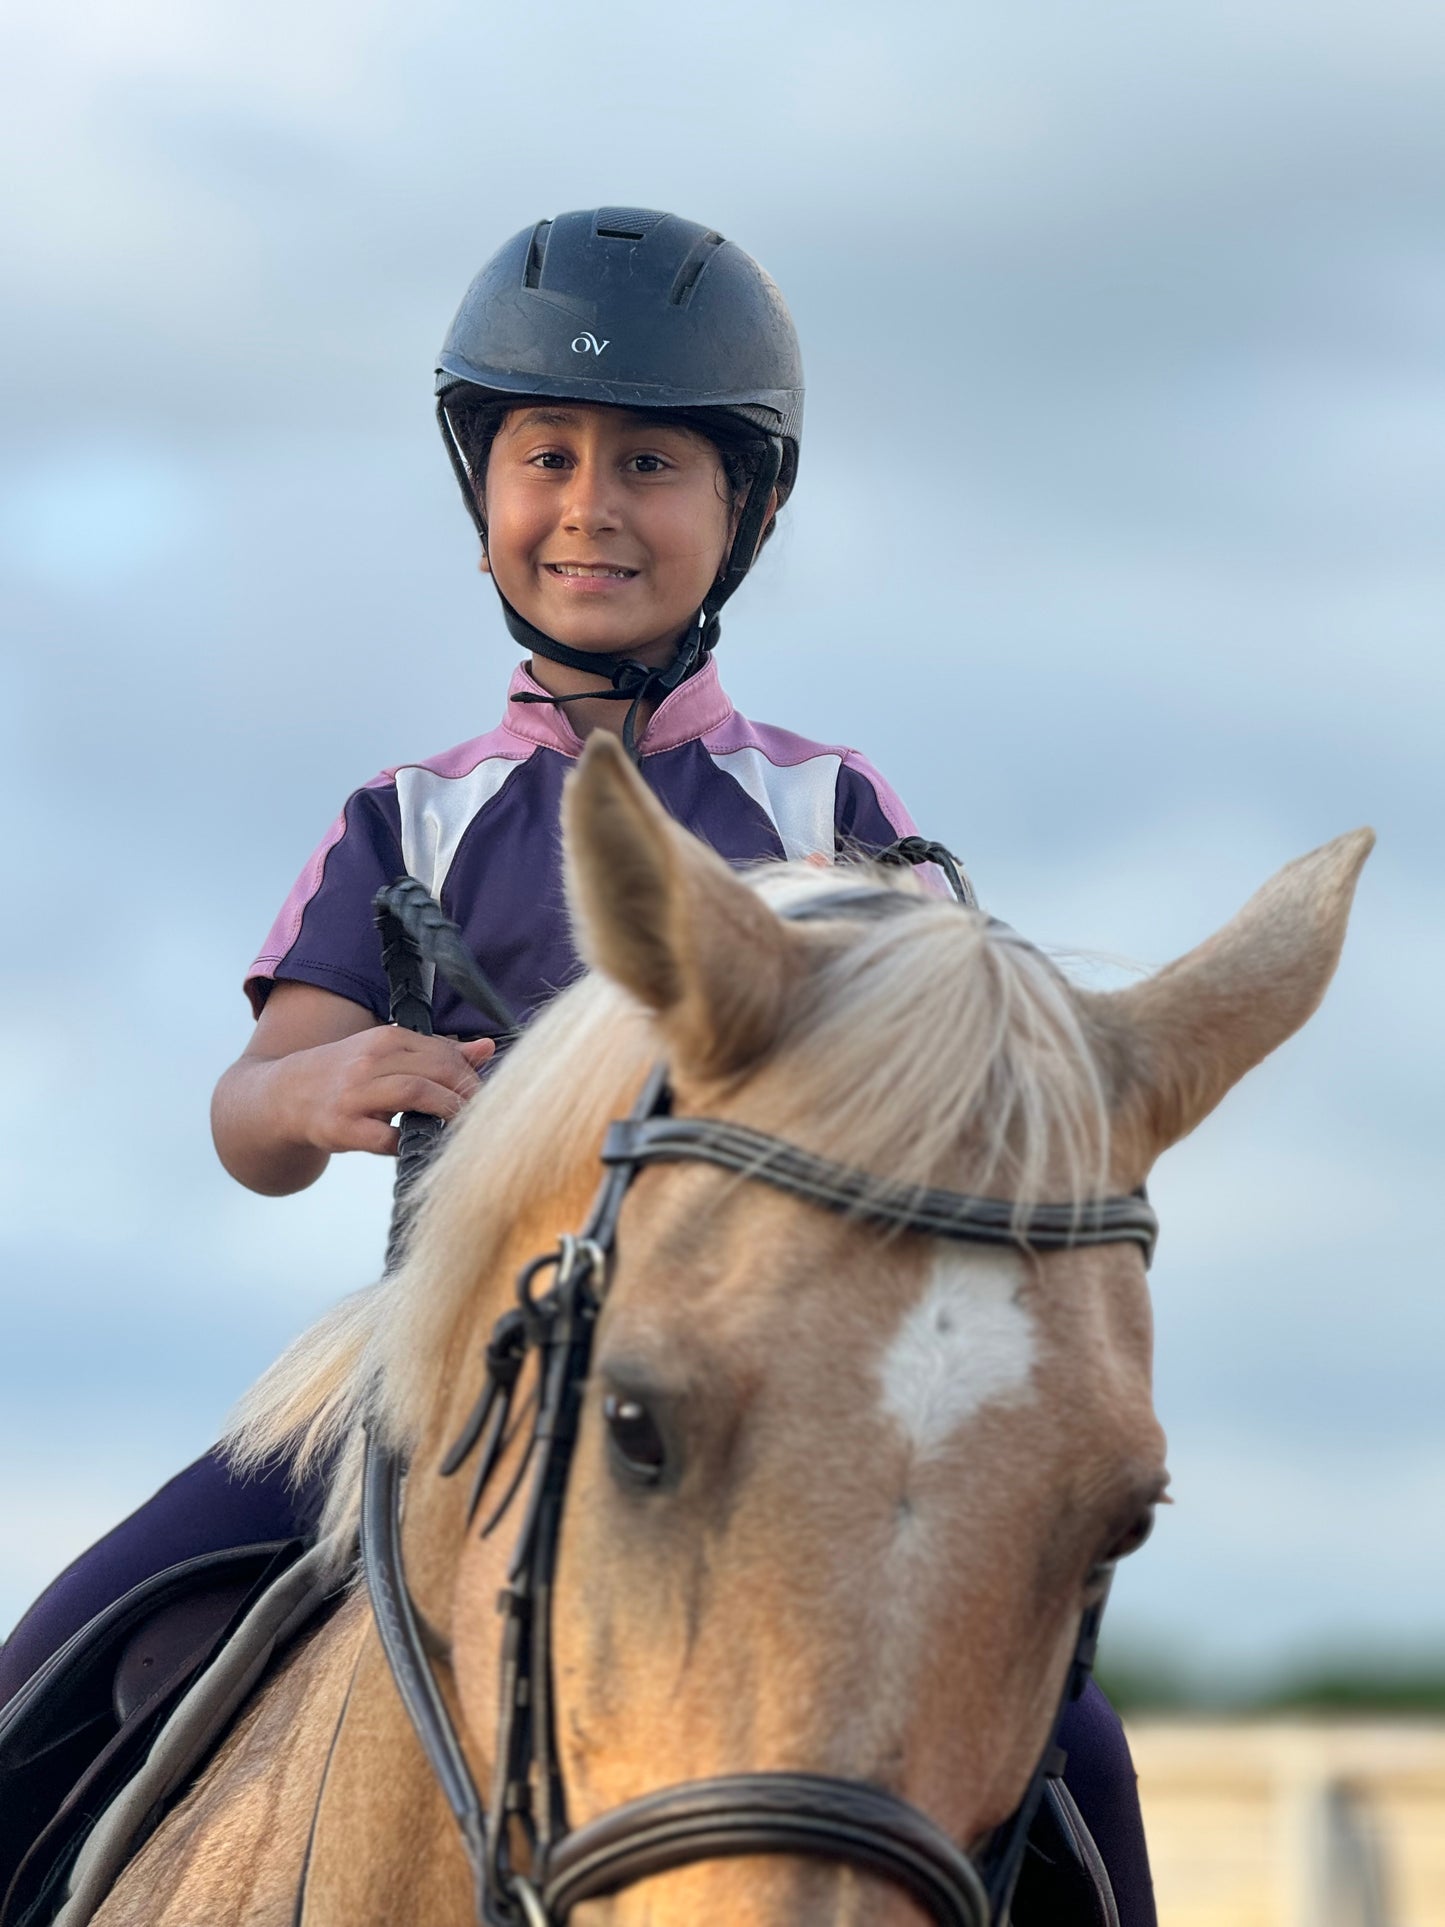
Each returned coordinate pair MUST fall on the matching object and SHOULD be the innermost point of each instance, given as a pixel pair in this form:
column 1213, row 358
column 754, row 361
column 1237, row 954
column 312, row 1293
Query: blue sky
column 1117, row 545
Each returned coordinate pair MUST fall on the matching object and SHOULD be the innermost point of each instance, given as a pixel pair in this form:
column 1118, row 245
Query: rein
column 806, row 1814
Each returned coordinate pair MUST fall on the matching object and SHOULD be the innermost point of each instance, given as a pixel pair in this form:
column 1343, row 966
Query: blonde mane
column 925, row 1035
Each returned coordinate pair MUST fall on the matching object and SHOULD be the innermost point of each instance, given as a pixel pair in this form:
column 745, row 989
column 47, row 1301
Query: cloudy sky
column 1117, row 545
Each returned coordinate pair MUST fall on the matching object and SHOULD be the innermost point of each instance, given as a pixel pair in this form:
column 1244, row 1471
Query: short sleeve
column 325, row 933
column 870, row 815
column 868, row 811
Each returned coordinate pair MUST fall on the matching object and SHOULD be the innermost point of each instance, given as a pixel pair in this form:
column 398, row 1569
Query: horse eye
column 1134, row 1537
column 1127, row 1542
column 635, row 1438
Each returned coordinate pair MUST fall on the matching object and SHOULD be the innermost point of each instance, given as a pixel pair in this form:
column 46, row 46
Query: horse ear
column 1176, row 1044
column 660, row 914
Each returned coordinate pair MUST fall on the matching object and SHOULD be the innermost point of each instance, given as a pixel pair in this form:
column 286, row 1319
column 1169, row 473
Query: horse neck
column 383, row 1846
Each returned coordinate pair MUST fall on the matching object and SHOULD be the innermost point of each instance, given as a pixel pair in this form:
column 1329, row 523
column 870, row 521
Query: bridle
column 559, row 1298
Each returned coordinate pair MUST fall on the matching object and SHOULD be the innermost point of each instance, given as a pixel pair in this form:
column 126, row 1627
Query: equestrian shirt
column 479, row 825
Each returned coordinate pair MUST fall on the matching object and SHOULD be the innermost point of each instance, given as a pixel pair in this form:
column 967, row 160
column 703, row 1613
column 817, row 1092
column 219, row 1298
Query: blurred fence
column 1294, row 1823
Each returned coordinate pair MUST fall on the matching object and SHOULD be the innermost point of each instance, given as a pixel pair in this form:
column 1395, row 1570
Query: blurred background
column 1117, row 545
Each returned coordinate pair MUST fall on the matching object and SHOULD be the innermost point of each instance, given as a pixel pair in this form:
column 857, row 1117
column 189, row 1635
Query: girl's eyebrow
column 568, row 418
column 547, row 418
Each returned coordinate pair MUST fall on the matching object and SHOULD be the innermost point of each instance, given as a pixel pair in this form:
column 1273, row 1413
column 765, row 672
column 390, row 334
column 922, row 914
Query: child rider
column 621, row 398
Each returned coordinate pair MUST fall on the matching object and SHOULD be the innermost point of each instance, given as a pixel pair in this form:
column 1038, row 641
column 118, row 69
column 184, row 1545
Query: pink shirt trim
column 700, row 705
column 287, row 927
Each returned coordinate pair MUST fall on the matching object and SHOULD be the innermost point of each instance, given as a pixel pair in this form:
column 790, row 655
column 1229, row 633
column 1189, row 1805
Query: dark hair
column 740, row 448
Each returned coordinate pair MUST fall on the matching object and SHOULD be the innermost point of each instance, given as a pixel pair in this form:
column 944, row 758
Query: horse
column 843, row 1486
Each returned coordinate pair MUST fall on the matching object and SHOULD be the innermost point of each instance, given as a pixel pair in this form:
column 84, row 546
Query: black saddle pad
column 75, row 1733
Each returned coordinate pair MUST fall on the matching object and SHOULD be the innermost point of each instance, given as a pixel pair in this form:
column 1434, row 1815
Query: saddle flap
column 173, row 1643
column 76, row 1730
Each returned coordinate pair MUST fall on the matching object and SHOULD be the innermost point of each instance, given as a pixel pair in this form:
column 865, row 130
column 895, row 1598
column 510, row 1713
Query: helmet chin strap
column 633, row 682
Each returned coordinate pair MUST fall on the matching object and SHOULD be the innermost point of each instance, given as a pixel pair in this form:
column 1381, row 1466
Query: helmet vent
column 690, row 273
column 626, row 223
column 536, row 255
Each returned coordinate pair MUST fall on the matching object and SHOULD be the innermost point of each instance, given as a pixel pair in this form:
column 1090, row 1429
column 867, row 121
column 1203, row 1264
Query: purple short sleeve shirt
column 480, row 827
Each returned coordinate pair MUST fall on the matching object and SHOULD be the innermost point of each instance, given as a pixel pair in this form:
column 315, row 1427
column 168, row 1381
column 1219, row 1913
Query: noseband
column 807, row 1814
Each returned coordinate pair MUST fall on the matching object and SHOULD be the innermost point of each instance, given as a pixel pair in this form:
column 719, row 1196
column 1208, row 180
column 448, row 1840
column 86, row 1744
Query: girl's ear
column 735, row 518
column 768, row 520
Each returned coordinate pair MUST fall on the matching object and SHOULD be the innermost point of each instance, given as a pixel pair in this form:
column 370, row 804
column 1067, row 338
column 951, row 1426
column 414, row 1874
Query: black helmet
column 632, row 309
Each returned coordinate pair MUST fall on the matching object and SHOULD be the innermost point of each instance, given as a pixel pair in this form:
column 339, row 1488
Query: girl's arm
column 321, row 1075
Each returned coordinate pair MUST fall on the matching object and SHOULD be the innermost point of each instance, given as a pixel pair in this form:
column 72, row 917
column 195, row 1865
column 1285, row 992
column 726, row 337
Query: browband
column 881, row 1201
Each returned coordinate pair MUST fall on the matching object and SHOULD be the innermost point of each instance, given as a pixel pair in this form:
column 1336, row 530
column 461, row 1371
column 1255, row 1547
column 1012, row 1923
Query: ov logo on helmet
column 586, row 344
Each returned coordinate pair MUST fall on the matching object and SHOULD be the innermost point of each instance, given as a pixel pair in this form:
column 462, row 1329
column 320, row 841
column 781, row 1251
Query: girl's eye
column 636, row 1442
column 550, row 458
column 649, row 464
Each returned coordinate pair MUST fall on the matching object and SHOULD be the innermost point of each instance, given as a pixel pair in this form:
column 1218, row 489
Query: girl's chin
column 593, row 644
column 600, row 637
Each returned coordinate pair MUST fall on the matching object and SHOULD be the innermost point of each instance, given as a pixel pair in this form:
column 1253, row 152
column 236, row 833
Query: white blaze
column 966, row 1343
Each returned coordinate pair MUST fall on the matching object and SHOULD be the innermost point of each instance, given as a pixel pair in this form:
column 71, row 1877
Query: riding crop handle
column 410, row 1008
column 415, row 932
column 433, row 938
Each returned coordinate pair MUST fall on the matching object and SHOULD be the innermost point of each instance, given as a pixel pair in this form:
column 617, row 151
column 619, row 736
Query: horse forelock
column 915, row 1042
column 940, row 1047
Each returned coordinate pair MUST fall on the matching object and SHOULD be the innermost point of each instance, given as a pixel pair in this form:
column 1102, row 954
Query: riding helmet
column 633, row 308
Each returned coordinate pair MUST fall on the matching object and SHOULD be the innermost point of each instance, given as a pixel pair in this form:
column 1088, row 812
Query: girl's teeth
column 563, row 569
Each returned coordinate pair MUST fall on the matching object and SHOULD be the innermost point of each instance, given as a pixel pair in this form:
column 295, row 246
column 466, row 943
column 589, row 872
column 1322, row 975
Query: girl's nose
column 591, row 503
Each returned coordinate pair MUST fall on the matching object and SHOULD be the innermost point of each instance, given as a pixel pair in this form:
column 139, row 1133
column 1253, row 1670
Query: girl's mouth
column 589, row 571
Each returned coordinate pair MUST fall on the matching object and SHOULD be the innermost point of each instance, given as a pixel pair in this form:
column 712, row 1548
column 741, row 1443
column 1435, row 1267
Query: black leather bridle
column 806, row 1814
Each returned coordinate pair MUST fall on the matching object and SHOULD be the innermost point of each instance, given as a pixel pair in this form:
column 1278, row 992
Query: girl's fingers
column 412, row 1093
column 444, row 1059
column 370, row 1134
column 371, row 1078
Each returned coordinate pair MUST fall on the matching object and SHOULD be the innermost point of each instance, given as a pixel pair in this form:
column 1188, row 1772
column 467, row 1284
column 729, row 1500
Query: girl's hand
column 321, row 1075
column 342, row 1096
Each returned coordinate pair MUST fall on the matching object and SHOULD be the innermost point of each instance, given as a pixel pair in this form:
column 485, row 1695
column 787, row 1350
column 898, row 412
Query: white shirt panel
column 800, row 798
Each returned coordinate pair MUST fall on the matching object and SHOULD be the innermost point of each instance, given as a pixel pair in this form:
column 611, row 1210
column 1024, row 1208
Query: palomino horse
column 840, row 1493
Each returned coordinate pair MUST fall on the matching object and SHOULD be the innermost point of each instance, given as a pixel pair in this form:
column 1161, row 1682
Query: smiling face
column 605, row 527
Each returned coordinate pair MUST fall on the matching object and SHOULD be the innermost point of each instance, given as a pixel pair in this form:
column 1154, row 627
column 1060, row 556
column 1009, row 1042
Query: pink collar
column 700, row 705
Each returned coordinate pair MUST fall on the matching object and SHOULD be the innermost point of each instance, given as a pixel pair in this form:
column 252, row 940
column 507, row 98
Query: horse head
column 841, row 1492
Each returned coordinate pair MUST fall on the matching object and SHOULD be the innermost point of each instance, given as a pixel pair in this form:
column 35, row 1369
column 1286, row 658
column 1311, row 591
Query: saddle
column 78, row 1735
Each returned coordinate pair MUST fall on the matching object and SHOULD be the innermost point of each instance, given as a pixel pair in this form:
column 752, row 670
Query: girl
column 621, row 398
